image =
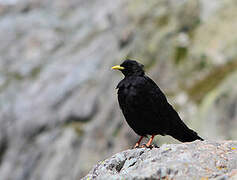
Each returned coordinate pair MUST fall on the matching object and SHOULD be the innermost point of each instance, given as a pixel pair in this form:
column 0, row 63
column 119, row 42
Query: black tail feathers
column 186, row 135
column 179, row 130
column 182, row 133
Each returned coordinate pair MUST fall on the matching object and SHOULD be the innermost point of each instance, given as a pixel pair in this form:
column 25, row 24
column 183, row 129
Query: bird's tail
column 182, row 132
column 186, row 135
column 179, row 130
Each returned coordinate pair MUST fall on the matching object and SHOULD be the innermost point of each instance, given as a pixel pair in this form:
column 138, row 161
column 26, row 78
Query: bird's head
column 130, row 67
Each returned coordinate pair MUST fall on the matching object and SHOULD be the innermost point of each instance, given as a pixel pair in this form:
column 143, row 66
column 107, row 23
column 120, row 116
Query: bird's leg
column 148, row 144
column 138, row 142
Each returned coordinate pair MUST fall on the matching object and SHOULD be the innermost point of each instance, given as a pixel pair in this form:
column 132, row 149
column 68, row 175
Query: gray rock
column 196, row 160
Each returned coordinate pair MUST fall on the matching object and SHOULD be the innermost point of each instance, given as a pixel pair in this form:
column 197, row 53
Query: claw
column 153, row 146
column 136, row 146
column 150, row 146
column 144, row 146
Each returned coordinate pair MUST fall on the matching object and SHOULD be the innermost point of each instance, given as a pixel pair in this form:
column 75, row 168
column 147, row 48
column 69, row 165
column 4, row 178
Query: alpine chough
column 146, row 108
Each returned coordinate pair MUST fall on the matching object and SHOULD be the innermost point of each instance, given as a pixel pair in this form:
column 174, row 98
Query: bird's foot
column 155, row 146
column 150, row 146
column 136, row 146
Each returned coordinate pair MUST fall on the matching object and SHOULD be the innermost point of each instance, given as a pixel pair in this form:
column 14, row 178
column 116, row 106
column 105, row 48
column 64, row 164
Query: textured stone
column 196, row 160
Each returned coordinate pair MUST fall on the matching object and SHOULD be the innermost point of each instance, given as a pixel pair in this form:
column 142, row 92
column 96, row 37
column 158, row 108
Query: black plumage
column 146, row 108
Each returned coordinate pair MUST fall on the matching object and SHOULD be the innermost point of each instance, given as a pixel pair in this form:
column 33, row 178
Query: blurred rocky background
column 58, row 104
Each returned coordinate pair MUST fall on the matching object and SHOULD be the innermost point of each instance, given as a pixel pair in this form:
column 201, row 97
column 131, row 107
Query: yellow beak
column 118, row 67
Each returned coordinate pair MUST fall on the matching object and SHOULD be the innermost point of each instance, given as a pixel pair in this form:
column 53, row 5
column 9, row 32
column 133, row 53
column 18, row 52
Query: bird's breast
column 129, row 97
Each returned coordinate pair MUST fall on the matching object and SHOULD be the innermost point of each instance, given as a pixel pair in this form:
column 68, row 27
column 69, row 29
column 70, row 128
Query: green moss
column 203, row 63
column 17, row 76
column 14, row 76
column 180, row 54
column 77, row 126
column 162, row 21
column 211, row 81
column 35, row 71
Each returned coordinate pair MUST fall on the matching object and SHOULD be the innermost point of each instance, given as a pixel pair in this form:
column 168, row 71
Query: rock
column 195, row 160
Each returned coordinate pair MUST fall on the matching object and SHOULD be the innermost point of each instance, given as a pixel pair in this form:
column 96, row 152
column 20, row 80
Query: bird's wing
column 157, row 104
column 175, row 126
column 155, row 95
column 154, row 100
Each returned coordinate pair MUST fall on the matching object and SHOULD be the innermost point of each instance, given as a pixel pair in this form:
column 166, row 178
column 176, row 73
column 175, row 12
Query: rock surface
column 196, row 160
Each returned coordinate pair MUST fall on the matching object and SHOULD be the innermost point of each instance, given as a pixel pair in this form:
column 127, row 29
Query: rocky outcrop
column 196, row 160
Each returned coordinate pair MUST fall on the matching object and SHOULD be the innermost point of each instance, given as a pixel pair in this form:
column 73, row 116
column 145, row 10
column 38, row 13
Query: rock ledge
column 196, row 160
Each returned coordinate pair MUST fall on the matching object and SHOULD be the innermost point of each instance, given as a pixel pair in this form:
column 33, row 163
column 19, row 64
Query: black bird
column 146, row 108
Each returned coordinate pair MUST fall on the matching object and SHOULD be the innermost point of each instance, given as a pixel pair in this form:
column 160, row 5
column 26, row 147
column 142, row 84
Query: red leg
column 138, row 142
column 150, row 141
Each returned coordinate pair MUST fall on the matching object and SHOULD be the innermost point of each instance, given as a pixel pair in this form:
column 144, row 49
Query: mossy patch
column 35, row 71
column 180, row 54
column 163, row 20
column 17, row 76
column 212, row 80
column 77, row 126
column 203, row 63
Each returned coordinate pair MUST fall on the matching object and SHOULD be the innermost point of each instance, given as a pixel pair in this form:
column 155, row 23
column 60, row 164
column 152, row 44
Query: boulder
column 195, row 160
